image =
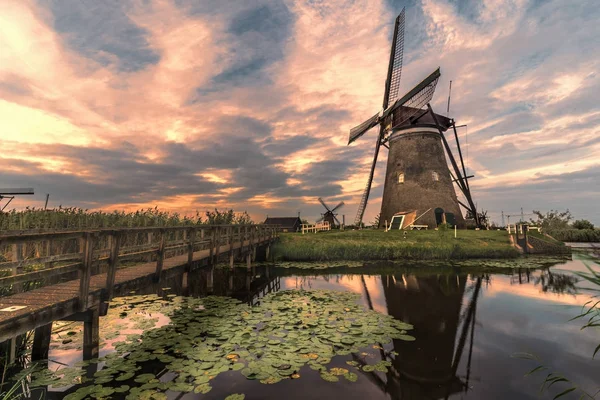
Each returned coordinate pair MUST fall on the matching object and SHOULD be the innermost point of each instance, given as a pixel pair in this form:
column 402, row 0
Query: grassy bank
column 379, row 245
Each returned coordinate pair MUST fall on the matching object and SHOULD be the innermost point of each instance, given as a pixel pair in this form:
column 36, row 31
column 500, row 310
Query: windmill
column 11, row 193
column 330, row 215
column 417, row 176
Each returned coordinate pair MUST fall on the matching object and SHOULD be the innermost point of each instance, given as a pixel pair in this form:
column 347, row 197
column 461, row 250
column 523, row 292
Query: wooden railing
column 110, row 247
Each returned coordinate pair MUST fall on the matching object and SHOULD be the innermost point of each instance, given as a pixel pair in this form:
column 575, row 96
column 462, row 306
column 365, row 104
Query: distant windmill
column 10, row 194
column 417, row 176
column 330, row 215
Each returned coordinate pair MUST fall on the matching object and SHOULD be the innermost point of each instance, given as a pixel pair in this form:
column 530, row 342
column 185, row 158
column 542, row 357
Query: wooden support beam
column 85, row 272
column 210, row 279
column 113, row 264
column 91, row 334
column 160, row 256
column 41, row 342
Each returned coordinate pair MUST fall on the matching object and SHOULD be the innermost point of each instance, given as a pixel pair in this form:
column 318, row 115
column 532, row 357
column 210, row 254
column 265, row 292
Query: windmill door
column 397, row 221
column 439, row 216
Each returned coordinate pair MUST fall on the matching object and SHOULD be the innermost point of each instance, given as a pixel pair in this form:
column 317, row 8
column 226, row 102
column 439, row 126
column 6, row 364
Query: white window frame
column 400, row 177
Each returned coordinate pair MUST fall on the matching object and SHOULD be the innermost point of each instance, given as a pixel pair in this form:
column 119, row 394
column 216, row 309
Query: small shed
column 401, row 220
column 285, row 224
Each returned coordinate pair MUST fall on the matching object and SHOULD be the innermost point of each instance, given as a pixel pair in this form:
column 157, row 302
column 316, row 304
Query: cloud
column 191, row 105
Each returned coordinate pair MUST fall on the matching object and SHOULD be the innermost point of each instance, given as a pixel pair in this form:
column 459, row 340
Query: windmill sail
column 392, row 84
column 396, row 57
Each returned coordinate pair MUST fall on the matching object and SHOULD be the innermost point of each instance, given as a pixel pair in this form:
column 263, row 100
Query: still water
column 468, row 326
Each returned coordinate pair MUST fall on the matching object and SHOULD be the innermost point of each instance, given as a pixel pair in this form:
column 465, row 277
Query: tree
column 376, row 222
column 583, row 224
column 552, row 220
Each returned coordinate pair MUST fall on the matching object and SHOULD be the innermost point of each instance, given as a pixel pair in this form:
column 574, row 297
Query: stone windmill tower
column 417, row 177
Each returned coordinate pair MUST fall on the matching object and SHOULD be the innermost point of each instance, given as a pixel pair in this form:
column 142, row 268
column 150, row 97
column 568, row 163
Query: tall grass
column 576, row 235
column 378, row 245
column 78, row 218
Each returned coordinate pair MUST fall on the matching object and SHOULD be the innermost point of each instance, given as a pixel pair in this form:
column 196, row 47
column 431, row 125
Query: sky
column 191, row 105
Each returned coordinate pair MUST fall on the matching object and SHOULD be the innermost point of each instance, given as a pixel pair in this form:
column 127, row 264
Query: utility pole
column 503, row 219
column 522, row 217
column 47, row 197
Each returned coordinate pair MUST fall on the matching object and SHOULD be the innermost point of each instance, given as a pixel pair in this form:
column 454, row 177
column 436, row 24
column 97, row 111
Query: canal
column 299, row 333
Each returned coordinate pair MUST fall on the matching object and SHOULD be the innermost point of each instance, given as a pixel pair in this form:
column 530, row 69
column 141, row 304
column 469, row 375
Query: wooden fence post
column 160, row 255
column 231, row 241
column 85, row 273
column 17, row 256
column 149, row 235
column 113, row 263
column 191, row 240
column 256, row 241
column 211, row 250
column 218, row 234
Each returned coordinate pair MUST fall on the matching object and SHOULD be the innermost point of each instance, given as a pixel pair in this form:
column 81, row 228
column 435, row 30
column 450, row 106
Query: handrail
column 213, row 236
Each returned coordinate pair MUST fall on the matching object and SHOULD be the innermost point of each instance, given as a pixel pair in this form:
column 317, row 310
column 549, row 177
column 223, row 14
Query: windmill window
column 435, row 176
column 401, row 177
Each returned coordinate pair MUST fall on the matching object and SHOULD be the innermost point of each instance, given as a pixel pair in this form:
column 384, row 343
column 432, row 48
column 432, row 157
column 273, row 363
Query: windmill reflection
column 427, row 368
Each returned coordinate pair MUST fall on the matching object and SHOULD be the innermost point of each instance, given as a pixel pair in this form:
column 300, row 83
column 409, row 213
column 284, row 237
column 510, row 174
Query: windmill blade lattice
column 323, row 203
column 338, row 206
column 398, row 54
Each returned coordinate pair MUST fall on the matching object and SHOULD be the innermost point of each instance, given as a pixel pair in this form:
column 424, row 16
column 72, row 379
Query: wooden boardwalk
column 86, row 297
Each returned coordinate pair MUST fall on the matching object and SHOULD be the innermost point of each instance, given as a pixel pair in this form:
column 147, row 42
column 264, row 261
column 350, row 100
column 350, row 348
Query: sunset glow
column 247, row 105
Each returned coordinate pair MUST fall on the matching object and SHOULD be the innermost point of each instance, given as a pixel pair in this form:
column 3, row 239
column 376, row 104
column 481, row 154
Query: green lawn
column 380, row 245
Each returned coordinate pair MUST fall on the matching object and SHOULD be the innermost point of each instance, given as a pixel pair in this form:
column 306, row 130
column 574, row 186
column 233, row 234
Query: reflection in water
column 508, row 310
column 426, row 369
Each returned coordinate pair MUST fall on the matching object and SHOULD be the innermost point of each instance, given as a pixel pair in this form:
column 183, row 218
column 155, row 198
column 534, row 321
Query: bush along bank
column 576, row 235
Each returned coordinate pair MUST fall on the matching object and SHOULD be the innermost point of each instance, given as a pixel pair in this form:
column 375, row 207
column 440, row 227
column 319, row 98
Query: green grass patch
column 367, row 245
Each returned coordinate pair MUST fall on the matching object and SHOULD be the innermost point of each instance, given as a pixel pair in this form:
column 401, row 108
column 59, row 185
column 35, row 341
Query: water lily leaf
column 203, row 388
column 236, row 396
column 329, row 377
column 351, row 376
column 368, row 368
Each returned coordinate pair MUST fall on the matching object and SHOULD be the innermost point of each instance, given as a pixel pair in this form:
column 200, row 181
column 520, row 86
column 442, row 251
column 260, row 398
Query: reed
column 378, row 245
column 576, row 235
column 79, row 218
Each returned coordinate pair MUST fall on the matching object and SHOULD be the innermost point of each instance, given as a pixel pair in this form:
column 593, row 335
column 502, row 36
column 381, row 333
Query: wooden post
column 91, row 334
column 41, row 342
column 218, row 234
column 210, row 279
column 212, row 246
column 160, row 255
column 48, row 252
column 149, row 259
column 191, row 241
column 231, row 241
column 256, row 237
column 85, row 272
column 113, row 263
